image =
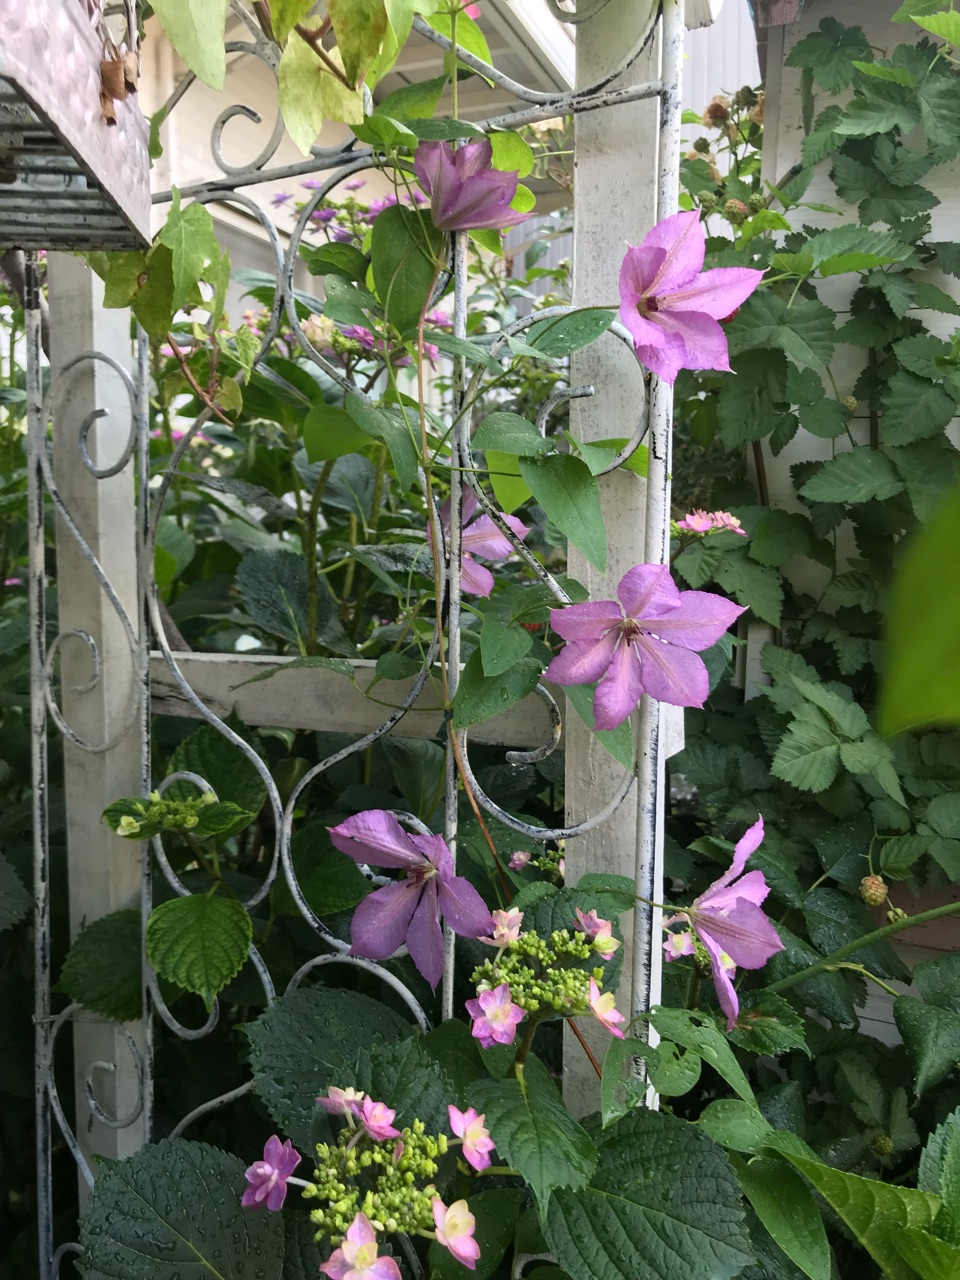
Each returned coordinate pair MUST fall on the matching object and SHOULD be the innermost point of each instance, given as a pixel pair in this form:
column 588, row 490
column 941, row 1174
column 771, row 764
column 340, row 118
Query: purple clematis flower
column 672, row 306
column 268, row 1177
column 409, row 909
column 480, row 537
column 466, row 193
column 728, row 921
column 644, row 644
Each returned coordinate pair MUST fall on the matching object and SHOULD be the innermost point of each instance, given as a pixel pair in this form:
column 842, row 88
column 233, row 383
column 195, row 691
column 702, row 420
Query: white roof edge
column 546, row 41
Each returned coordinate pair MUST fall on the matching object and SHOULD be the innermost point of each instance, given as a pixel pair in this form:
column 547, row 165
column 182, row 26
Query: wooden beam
column 318, row 699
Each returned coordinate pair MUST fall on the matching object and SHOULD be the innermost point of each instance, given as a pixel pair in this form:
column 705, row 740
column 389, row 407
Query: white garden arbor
column 111, row 661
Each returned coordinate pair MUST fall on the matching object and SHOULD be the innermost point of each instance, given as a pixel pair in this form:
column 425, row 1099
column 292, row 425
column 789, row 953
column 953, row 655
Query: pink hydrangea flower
column 599, row 932
column 472, row 10
column 495, row 1016
column 506, row 927
column 729, row 922
column 672, row 306
column 466, row 192
column 455, row 1226
column 480, row 537
column 645, row 644
column 341, row 1102
column 408, row 910
column 696, row 522
column 603, row 1009
column 477, row 1143
column 519, row 859
column 724, row 520
column 268, row 1177
column 357, row 1258
column 377, row 1118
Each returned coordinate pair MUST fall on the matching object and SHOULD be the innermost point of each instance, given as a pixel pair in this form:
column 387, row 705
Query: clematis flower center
column 646, row 305
column 631, row 630
column 422, row 873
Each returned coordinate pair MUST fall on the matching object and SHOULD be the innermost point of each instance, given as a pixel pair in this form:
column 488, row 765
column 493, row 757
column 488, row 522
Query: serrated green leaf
column 883, row 71
column 913, row 409
column 195, row 29
column 189, row 235
column 858, row 476
column 932, row 1039
column 921, row 683
column 829, row 53
column 15, row 901
column 735, row 1124
column 944, row 25
column 535, row 1133
column 848, row 716
column 899, row 854
column 411, row 1078
column 102, row 970
column 767, row 1024
column 943, row 814
column 825, row 418
column 835, row 919
column 805, row 331
column 628, row 1225
column 932, row 1259
column 227, row 770
column 329, row 880
column 199, row 942
column 174, row 1208
column 570, row 496
column 875, row 1212
column 308, row 1040
column 808, row 756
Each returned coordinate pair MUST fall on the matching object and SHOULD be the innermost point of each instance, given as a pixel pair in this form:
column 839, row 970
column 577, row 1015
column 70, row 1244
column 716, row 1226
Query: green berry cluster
column 543, row 975
column 390, row 1181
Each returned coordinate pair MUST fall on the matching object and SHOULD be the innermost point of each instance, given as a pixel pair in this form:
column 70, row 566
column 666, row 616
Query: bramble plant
column 309, row 483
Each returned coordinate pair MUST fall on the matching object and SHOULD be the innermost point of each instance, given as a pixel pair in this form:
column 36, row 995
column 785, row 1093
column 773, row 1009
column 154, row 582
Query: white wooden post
column 615, row 204
column 104, row 872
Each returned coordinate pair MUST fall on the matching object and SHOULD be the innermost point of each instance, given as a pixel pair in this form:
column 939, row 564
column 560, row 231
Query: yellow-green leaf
column 309, row 94
column 195, row 29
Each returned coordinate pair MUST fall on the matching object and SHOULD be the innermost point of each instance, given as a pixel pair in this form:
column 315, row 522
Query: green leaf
column 944, row 25
column 940, row 1174
column 342, row 259
column 826, row 418
column 780, row 535
column 932, row 1259
column 921, row 682
column 835, row 919
column 472, row 352
column 829, row 53
column 195, row 29
column 910, row 8
column 879, row 192
column 413, row 101
column 563, row 334
column 876, row 1212
column 913, row 409
column 174, row 1209
column 308, row 1040
column 699, row 1033
column 663, row 1203
column 509, row 433
column 767, row 1024
column 458, row 1053
column 328, row 879
column 199, row 942
column 190, row 237
column 804, row 331
column 411, row 1078
column 808, row 756
column 469, row 37
column 883, row 71
column 231, row 774
column 753, row 585
column 330, row 432
column 501, row 647
column 504, row 471
column 511, row 153
column 570, row 496
column 535, row 1134
column 479, row 697
column 898, row 855
column 619, row 741
column 783, row 1203
column 15, row 901
column 397, row 666
column 405, row 250
column 348, row 303
column 308, row 94
column 393, row 430
column 102, row 970
column 359, row 26
column 735, row 1124
column 858, row 476
column 879, row 109
column 496, row 1212
column 285, row 14
column 847, row 716
column 932, row 1039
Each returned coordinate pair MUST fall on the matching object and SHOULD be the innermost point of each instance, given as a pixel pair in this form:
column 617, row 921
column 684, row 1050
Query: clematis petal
column 473, row 158
column 381, row 921
column 648, row 591
column 743, row 932
column 672, row 674
column 704, row 342
column 722, row 980
column 698, row 622
column 434, row 849
column 682, row 240
column 637, row 273
column 586, row 621
column 475, row 579
column 434, row 167
column 483, row 538
column 715, row 293
column 463, row 909
column 753, row 887
column 375, row 836
column 581, row 662
column 425, row 937
column 619, row 693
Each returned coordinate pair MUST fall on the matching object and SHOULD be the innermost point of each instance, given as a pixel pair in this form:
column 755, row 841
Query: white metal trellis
column 127, row 1059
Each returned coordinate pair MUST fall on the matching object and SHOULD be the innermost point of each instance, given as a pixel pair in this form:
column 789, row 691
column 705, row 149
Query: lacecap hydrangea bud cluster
column 157, row 814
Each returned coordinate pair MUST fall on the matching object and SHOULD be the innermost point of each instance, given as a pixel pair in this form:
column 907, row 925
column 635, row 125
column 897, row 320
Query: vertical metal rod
column 36, row 443
column 647, row 959
column 461, row 433
column 144, row 574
